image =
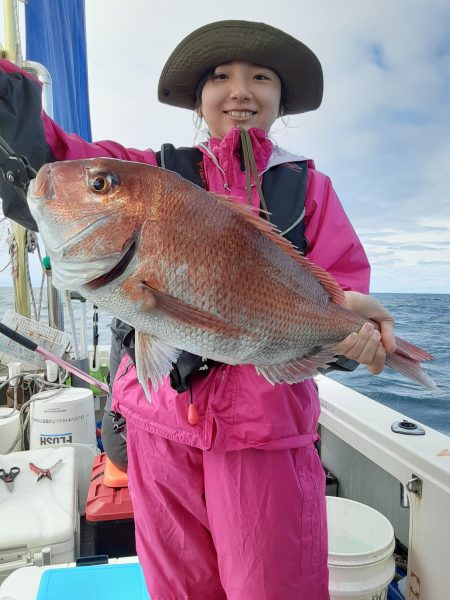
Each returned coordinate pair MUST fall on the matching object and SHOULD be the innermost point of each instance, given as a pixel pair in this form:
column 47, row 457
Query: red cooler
column 109, row 509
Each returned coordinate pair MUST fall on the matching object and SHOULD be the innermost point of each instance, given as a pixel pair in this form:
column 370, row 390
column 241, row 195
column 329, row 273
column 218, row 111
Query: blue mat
column 393, row 591
column 102, row 582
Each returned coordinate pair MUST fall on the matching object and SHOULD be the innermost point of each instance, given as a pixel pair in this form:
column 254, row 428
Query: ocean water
column 423, row 319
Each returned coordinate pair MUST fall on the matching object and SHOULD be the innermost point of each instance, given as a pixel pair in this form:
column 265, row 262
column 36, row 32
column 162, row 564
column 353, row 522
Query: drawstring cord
column 251, row 169
column 193, row 416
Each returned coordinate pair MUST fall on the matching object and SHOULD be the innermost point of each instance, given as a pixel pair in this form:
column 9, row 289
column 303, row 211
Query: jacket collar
column 227, row 151
column 280, row 156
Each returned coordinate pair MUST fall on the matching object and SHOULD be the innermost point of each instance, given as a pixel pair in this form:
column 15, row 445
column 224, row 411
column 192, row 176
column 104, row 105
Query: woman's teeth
column 240, row 113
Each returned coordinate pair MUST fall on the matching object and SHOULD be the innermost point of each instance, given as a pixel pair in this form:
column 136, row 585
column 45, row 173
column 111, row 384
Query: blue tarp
column 56, row 38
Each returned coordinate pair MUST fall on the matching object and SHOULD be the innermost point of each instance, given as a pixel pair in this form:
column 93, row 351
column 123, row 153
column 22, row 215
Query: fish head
column 89, row 213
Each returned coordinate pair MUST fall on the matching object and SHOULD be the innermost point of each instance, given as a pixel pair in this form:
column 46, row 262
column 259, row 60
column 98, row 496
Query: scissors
column 8, row 478
column 41, row 473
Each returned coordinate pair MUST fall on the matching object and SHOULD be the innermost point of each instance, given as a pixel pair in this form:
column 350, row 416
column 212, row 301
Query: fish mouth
column 118, row 269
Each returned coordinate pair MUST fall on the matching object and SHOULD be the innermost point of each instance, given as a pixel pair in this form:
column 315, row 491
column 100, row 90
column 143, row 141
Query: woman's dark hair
column 201, row 84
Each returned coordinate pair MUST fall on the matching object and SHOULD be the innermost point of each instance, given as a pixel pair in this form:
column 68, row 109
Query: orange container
column 113, row 476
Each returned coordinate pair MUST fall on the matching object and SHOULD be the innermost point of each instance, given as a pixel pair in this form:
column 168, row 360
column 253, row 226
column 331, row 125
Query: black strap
column 187, row 162
column 186, row 365
column 284, row 189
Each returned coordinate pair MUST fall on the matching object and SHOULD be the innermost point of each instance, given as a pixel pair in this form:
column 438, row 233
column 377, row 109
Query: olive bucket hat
column 225, row 41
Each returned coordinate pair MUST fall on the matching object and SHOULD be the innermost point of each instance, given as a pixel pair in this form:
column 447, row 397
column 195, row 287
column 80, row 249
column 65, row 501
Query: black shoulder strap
column 284, row 190
column 187, row 162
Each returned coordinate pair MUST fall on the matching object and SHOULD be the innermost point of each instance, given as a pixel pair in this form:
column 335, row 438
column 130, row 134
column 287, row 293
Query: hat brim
column 225, row 41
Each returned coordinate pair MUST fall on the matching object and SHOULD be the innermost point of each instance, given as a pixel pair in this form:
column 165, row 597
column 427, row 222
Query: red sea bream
column 192, row 271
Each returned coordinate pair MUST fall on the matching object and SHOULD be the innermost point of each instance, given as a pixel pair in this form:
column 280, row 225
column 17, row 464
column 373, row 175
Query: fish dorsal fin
column 154, row 359
column 326, row 280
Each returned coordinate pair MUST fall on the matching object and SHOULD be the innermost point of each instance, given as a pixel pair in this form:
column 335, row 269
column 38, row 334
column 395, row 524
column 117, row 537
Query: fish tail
column 406, row 360
column 410, row 351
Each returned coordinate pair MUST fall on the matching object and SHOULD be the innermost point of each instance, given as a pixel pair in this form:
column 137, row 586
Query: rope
column 6, row 240
column 41, row 291
column 13, row 254
column 5, row 267
column 32, row 244
column 30, row 287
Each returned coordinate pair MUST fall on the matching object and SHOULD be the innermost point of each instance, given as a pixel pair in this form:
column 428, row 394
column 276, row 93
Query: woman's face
column 240, row 94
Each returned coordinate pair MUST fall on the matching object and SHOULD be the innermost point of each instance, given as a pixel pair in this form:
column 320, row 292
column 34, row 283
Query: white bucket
column 360, row 546
column 9, row 429
column 66, row 416
column 62, row 416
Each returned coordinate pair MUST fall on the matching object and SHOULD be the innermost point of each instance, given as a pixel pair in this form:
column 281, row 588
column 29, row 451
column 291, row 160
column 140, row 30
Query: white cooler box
column 39, row 519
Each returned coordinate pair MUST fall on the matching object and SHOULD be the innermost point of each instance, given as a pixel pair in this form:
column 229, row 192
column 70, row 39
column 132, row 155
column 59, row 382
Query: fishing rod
column 95, row 335
column 30, row 345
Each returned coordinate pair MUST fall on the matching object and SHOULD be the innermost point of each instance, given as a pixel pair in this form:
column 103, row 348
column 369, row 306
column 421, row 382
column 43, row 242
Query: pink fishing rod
column 30, row 345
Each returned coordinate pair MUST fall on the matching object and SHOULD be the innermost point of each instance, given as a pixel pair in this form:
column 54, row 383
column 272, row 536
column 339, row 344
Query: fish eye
column 102, row 183
column 99, row 184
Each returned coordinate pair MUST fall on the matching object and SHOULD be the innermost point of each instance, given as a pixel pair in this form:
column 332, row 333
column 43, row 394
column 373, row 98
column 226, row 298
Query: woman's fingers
column 370, row 346
column 361, row 346
column 387, row 334
column 365, row 347
column 365, row 344
column 377, row 364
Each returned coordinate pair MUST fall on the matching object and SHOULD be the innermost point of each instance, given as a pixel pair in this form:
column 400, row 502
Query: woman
column 227, row 486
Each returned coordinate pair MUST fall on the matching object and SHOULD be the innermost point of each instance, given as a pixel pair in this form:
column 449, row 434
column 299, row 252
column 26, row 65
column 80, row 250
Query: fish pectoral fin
column 187, row 314
column 154, row 360
column 298, row 370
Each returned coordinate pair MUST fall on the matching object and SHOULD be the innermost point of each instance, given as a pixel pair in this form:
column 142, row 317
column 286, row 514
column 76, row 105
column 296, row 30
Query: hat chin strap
column 251, row 169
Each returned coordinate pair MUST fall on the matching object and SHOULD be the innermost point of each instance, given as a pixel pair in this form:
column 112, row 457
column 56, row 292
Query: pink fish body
column 192, row 271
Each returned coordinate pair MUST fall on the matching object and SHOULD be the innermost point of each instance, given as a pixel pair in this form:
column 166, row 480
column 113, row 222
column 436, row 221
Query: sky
column 382, row 133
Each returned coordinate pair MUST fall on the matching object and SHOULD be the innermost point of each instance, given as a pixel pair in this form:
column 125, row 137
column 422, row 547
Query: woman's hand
column 368, row 346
